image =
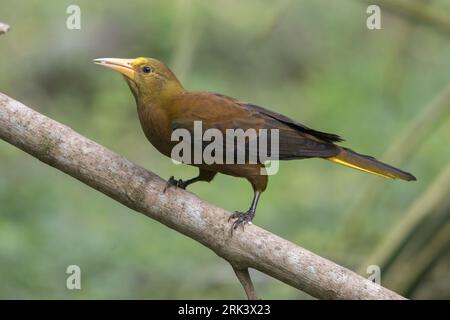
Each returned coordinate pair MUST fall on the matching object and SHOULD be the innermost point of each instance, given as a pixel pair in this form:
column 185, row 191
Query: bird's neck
column 160, row 96
column 153, row 111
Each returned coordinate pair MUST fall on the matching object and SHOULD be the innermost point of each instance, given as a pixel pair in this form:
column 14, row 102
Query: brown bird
column 164, row 105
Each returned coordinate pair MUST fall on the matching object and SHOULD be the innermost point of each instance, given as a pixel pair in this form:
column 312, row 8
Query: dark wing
column 327, row 137
column 220, row 112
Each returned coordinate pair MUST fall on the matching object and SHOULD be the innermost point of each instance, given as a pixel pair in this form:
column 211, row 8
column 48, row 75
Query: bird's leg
column 202, row 176
column 242, row 218
column 172, row 182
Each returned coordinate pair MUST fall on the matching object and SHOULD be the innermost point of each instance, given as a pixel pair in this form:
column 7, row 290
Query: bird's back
column 216, row 111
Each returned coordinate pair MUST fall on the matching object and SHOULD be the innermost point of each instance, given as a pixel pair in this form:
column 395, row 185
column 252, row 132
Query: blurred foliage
column 313, row 60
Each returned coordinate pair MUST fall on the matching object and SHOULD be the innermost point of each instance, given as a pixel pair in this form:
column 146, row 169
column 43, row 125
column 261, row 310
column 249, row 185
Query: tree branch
column 246, row 281
column 3, row 28
column 141, row 190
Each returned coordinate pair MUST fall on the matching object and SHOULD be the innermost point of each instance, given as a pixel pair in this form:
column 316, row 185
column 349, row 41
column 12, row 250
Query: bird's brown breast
column 156, row 125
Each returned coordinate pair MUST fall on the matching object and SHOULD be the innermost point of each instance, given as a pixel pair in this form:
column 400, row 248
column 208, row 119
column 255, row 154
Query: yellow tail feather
column 369, row 164
column 348, row 164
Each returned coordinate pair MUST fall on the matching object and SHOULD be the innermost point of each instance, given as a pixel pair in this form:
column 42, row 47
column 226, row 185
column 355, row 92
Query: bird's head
column 147, row 78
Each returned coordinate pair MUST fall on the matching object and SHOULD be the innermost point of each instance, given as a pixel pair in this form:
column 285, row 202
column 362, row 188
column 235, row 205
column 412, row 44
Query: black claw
column 172, row 182
column 241, row 219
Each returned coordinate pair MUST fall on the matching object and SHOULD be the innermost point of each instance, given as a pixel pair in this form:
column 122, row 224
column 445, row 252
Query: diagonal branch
column 141, row 190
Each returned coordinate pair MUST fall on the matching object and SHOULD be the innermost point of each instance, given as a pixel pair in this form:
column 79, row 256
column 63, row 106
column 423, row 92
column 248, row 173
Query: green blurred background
column 312, row 60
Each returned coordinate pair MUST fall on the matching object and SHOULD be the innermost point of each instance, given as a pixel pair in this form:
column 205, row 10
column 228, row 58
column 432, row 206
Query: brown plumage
column 164, row 105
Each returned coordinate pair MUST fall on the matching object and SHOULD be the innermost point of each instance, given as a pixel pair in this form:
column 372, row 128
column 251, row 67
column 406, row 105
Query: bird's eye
column 146, row 69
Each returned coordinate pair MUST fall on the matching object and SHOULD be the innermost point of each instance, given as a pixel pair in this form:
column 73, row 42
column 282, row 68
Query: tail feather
column 369, row 164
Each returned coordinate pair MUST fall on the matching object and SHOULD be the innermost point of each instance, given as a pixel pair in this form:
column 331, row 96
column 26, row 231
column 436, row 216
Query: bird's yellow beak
column 124, row 66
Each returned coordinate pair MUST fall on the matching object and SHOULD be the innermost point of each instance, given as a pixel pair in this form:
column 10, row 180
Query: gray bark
column 62, row 148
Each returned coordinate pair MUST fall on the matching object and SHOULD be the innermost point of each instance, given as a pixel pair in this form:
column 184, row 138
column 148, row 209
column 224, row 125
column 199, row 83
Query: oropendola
column 164, row 105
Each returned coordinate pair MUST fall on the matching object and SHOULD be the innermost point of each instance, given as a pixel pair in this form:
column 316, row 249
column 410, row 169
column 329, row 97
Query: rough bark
column 59, row 146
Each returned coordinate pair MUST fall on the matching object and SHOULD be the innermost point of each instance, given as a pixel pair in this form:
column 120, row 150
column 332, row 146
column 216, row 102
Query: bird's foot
column 241, row 219
column 172, row 182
